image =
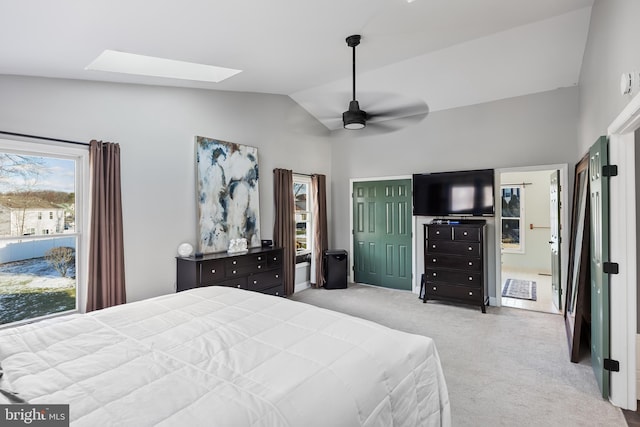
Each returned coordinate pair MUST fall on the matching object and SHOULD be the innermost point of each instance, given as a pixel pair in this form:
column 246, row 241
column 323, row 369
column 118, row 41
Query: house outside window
column 302, row 214
column 41, row 256
column 512, row 219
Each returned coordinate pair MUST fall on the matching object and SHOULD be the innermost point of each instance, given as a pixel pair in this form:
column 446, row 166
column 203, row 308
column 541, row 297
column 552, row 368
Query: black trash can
column 335, row 268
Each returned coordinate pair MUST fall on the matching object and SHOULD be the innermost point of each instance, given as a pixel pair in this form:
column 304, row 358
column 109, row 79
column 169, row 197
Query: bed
column 223, row 356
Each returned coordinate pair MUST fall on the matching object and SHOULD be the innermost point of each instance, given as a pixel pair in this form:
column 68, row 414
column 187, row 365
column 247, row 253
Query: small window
column 512, row 219
column 302, row 213
column 50, row 215
column 39, row 215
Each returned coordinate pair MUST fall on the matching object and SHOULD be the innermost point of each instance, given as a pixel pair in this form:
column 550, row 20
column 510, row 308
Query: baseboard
column 637, row 362
column 302, row 286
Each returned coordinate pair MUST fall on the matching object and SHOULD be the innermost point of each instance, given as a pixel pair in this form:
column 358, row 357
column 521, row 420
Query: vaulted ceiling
column 445, row 53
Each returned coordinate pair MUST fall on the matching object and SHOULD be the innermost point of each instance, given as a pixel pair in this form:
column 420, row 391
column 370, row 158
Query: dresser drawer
column 469, row 234
column 455, row 277
column 258, row 282
column 471, row 249
column 455, row 262
column 275, row 290
column 241, row 267
column 463, row 293
column 439, row 232
column 238, row 282
column 212, row 271
column 274, row 259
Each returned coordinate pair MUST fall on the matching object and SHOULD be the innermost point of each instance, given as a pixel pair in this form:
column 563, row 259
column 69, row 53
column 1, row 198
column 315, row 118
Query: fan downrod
column 354, row 117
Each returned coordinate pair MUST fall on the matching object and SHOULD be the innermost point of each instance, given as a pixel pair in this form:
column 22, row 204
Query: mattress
column 219, row 356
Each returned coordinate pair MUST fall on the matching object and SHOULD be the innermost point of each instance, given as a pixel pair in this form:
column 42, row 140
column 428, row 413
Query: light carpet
column 507, row 367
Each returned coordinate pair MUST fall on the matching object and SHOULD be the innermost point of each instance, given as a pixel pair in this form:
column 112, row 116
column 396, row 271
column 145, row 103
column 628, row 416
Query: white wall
column 537, row 129
column 612, row 48
column 536, row 257
column 155, row 128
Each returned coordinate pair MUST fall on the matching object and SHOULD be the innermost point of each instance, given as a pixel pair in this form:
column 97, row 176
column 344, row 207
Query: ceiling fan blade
column 415, row 109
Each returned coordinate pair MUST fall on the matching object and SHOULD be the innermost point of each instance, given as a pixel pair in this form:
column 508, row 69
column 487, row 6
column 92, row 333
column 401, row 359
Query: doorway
column 529, row 230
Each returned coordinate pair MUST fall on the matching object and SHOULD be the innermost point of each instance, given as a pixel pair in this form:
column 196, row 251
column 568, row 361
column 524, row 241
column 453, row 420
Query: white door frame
column 622, row 220
column 564, row 221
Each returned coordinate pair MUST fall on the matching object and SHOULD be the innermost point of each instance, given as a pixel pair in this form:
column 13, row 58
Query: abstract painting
column 227, row 194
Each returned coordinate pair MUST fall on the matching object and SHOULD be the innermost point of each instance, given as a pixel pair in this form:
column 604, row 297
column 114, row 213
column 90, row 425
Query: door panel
column 382, row 233
column 599, row 189
column 554, row 239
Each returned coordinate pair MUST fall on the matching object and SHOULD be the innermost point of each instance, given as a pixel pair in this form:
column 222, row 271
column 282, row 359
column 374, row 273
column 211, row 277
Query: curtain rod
column 519, row 183
column 43, row 137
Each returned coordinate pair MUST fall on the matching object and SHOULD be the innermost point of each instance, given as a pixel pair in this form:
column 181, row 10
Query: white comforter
column 221, row 356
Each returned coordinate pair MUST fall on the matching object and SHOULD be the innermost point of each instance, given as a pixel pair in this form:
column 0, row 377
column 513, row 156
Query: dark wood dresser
column 258, row 269
column 455, row 262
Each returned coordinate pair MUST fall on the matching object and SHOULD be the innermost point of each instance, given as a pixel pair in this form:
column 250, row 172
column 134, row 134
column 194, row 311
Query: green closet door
column 599, row 189
column 382, row 233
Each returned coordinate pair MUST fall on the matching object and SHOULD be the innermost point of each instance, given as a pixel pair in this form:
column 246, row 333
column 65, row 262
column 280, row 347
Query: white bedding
column 222, row 356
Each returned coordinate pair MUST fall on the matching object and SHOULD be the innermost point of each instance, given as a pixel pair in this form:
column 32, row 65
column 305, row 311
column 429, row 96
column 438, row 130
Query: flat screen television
column 468, row 193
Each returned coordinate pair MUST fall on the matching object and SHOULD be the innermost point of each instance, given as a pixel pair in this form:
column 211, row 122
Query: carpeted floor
column 507, row 367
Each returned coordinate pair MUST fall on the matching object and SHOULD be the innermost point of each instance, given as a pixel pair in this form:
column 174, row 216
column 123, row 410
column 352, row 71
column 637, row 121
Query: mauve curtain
column 319, row 220
column 284, row 225
column 106, row 250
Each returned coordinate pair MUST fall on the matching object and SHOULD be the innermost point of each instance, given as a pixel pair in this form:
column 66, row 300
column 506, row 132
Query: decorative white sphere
column 185, row 249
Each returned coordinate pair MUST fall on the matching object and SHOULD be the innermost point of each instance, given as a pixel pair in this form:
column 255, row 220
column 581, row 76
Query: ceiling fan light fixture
column 354, row 118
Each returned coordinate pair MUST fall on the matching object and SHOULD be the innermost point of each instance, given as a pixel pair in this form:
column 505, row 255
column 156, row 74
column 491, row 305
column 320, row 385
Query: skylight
column 130, row 63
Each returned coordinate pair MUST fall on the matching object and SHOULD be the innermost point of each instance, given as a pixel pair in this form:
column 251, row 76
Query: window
column 40, row 261
column 512, row 218
column 302, row 214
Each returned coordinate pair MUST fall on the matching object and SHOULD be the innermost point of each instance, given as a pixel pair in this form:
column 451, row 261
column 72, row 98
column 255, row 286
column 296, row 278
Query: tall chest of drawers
column 455, row 263
column 258, row 269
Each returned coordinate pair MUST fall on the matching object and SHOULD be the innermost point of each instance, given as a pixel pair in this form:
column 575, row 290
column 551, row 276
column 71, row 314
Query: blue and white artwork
column 228, row 204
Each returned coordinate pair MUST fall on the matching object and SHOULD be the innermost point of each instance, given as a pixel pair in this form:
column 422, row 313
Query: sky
column 55, row 174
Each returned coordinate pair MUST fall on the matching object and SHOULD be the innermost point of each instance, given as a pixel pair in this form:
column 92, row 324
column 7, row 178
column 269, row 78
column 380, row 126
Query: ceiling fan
column 355, row 118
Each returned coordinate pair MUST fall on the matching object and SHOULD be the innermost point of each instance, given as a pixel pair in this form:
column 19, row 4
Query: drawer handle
column 435, row 274
column 259, row 267
column 465, row 233
column 235, row 262
column 213, row 271
column 238, row 286
column 435, row 260
column 471, row 293
column 277, row 294
column 470, row 278
column 233, row 272
column 255, row 282
column 470, row 263
column 259, row 258
column 275, row 258
column 433, row 246
column 277, row 276
column 434, row 288
column 470, row 248
column 438, row 232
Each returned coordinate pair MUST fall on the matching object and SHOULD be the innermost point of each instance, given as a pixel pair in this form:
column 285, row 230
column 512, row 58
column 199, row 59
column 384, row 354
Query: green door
column 554, row 238
column 599, row 189
column 382, row 233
